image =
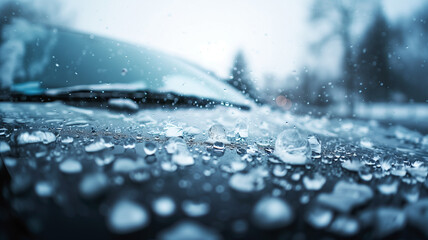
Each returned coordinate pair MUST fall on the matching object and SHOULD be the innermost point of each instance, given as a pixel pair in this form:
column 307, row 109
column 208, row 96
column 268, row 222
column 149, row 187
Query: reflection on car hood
column 219, row 165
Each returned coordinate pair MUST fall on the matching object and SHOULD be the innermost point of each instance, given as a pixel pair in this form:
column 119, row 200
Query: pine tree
column 374, row 69
column 240, row 77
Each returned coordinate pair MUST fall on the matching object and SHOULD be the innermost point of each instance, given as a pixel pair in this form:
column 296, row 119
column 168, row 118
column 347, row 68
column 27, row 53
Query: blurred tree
column 39, row 11
column 340, row 16
column 374, row 71
column 17, row 12
column 409, row 60
column 240, row 78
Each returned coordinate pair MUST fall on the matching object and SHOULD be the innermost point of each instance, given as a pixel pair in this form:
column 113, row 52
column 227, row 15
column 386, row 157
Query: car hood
column 217, row 164
column 260, row 125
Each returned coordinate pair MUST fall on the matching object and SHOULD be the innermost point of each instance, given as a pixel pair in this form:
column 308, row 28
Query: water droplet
column 247, row 182
column 93, row 185
column 44, row 189
column 365, row 174
column 150, row 148
column 129, row 143
column 186, row 229
column 234, row 166
column 4, row 147
column 104, row 159
column 163, row 206
column 388, row 188
column 345, row 226
column 218, row 146
column 279, row 171
column 195, row 209
column 168, row 166
column 319, row 217
column 70, row 166
column 127, row 216
column 272, row 213
column 124, row 165
column 315, row 183
column 139, row 175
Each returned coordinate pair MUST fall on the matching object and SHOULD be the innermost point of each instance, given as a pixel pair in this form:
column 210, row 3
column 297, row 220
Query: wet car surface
column 207, row 173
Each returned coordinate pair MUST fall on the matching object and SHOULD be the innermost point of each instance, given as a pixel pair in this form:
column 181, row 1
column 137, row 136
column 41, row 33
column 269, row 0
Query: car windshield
column 56, row 61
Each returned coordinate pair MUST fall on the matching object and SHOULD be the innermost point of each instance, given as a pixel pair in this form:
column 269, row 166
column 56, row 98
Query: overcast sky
column 273, row 34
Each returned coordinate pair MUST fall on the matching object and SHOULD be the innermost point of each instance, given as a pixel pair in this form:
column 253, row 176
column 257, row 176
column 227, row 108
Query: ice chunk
column 67, row 140
column 97, row 146
column 352, row 165
column 241, row 129
column 180, row 154
column 173, row 131
column 292, row 148
column 315, row 144
column 386, row 220
column 189, row 230
column 127, row 216
column 163, row 206
column 346, row 196
column 272, row 213
column 183, row 159
column 174, row 145
column 366, row 143
column 70, row 166
column 36, row 137
column 217, row 133
column 191, row 131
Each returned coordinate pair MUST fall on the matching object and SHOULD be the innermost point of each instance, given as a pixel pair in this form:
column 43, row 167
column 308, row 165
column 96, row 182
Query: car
column 102, row 139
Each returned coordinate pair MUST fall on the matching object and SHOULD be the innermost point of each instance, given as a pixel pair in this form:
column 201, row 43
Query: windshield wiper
column 140, row 97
